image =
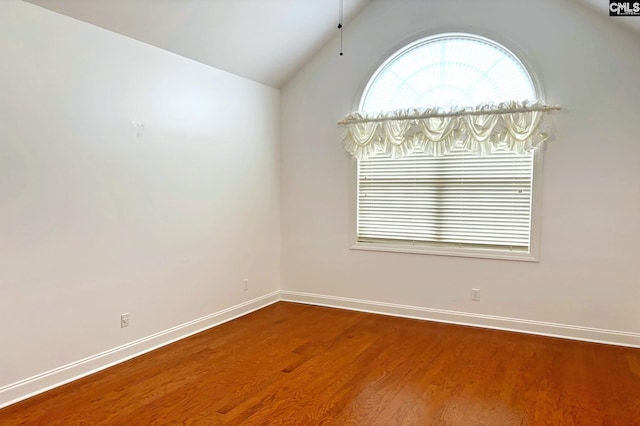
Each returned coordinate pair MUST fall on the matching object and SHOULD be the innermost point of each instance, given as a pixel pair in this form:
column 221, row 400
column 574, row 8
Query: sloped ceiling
column 263, row 40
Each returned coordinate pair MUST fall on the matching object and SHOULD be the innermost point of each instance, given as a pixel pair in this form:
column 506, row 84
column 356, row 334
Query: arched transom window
column 445, row 71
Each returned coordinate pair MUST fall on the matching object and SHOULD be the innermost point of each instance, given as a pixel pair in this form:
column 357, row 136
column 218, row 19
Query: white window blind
column 454, row 200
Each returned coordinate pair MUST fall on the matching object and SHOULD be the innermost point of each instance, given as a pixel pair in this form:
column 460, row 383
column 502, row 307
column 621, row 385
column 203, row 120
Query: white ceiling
column 263, row 40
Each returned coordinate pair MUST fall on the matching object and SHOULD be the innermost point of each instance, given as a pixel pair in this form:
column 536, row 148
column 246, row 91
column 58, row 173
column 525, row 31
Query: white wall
column 589, row 256
column 96, row 221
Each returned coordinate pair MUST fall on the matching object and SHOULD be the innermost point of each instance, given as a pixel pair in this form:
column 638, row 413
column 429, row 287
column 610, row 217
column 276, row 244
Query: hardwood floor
column 291, row 364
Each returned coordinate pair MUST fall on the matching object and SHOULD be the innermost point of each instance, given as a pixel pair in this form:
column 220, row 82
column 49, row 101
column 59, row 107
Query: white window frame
column 532, row 255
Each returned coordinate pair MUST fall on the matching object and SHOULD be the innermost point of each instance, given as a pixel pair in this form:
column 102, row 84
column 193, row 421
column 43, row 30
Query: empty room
column 304, row 212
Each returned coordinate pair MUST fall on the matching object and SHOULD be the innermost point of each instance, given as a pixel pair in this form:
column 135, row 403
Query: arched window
column 440, row 196
column 445, row 71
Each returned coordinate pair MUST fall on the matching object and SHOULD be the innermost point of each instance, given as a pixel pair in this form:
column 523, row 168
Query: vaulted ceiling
column 263, row 40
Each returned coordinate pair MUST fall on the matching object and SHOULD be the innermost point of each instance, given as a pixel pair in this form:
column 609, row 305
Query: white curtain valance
column 518, row 126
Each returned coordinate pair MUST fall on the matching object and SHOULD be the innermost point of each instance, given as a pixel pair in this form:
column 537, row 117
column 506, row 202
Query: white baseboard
column 596, row 335
column 31, row 386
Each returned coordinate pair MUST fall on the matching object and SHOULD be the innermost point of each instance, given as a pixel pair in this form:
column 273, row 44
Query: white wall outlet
column 124, row 320
column 475, row 294
column 245, row 284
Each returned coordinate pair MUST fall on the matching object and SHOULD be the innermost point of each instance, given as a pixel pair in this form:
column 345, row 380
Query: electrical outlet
column 124, row 320
column 475, row 294
column 245, row 285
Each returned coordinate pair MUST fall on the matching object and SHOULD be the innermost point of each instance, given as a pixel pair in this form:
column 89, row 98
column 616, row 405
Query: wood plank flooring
column 291, row 364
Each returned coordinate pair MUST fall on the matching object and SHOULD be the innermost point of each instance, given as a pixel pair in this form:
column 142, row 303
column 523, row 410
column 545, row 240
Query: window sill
column 448, row 251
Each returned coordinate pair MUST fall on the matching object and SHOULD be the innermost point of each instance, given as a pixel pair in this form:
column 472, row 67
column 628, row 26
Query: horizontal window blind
column 457, row 199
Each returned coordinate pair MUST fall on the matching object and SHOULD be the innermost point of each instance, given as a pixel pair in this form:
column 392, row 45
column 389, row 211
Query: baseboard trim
column 587, row 334
column 43, row 382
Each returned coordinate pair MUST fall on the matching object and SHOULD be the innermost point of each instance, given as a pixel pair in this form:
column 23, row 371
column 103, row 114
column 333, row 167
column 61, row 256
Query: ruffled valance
column 518, row 126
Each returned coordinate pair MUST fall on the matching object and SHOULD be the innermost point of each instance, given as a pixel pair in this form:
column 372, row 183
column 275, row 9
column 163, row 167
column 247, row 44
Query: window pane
column 449, row 70
column 458, row 199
